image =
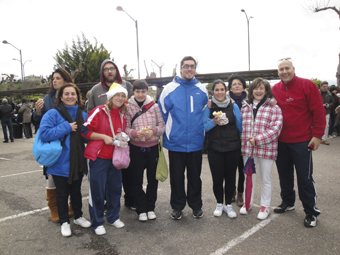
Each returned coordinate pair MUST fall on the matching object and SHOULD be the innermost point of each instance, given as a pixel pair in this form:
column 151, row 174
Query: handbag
column 121, row 156
column 47, row 153
column 162, row 166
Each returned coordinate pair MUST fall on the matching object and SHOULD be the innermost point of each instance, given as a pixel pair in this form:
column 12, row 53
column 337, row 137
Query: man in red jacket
column 303, row 126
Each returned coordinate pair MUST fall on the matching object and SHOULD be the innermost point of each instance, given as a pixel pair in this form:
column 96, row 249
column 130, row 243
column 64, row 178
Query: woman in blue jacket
column 66, row 119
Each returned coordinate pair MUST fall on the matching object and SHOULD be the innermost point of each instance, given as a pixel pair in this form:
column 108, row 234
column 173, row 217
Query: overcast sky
column 214, row 32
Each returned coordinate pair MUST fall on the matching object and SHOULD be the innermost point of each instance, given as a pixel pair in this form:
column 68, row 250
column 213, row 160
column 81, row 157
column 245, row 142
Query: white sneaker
column 151, row 215
column 228, row 209
column 142, row 217
column 334, row 136
column 330, row 137
column 81, row 221
column 264, row 213
column 100, row 231
column 218, row 211
column 243, row 210
column 66, row 229
column 118, row 224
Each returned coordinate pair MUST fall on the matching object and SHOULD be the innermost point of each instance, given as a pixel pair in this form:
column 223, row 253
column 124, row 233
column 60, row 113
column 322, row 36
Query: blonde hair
column 109, row 105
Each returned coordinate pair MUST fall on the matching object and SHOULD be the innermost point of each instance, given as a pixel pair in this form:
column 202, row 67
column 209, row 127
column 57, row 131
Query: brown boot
column 239, row 200
column 70, row 210
column 52, row 204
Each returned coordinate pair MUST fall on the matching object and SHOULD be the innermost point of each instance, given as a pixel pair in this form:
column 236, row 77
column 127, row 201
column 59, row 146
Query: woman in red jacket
column 105, row 179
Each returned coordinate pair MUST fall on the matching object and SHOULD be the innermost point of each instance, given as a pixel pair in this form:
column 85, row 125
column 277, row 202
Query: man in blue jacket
column 182, row 104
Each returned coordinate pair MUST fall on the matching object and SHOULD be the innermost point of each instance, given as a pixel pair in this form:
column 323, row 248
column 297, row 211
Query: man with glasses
column 182, row 103
column 110, row 74
column 303, row 126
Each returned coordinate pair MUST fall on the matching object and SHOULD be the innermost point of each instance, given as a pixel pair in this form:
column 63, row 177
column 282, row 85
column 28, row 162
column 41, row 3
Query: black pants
column 223, row 170
column 127, row 186
column 63, row 191
column 178, row 161
column 27, row 130
column 298, row 155
column 142, row 158
column 240, row 184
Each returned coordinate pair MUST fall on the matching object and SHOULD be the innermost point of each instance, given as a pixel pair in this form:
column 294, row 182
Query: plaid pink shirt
column 266, row 129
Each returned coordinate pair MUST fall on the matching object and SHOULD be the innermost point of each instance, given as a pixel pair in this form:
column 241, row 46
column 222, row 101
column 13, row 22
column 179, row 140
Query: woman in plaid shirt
column 261, row 125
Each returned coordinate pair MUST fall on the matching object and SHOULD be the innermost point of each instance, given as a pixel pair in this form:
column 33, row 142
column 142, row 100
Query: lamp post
column 248, row 37
column 22, row 74
column 23, row 65
column 119, row 8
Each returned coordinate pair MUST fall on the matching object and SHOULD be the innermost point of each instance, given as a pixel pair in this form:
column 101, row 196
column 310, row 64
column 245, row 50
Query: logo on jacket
column 289, row 100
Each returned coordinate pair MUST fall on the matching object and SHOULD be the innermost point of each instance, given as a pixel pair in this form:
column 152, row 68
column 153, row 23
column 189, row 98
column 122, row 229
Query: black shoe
column 176, row 215
column 283, row 208
column 12, row 141
column 5, row 141
column 310, row 221
column 197, row 213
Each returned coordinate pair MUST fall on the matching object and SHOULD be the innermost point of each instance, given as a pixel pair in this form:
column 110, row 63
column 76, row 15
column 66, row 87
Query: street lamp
column 119, row 8
column 22, row 74
column 23, row 65
column 248, row 37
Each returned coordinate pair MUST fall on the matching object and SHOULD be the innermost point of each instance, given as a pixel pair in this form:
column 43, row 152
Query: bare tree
column 324, row 5
column 10, row 77
column 160, row 68
column 127, row 73
column 75, row 73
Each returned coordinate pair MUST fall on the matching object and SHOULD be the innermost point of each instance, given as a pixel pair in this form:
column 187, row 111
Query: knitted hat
column 114, row 89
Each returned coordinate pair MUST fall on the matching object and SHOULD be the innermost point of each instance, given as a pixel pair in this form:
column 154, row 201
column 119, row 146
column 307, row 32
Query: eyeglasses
column 282, row 59
column 236, row 84
column 187, row 67
column 109, row 69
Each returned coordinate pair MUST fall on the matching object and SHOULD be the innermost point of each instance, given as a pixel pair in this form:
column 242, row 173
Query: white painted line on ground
column 4, row 159
column 244, row 236
column 10, row 175
column 28, row 213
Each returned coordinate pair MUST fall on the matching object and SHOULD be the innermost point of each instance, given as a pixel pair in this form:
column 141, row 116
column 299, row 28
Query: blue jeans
column 7, row 123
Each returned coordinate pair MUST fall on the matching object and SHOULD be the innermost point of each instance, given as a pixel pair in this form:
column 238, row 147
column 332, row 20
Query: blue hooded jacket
column 182, row 104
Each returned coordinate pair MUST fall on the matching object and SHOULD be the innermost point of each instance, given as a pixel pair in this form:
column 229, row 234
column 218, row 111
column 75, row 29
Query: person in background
column 261, row 125
column 224, row 146
column 238, row 94
column 332, row 115
column 105, row 179
column 59, row 78
column 182, row 104
column 303, row 126
column 6, row 120
column 68, row 171
column 328, row 105
column 144, row 151
column 26, row 110
column 109, row 74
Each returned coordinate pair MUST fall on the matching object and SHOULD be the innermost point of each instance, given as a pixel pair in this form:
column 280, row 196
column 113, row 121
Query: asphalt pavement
column 26, row 228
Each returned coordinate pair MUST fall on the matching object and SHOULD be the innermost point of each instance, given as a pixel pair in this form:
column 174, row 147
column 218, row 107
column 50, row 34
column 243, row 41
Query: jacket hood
column 148, row 100
column 119, row 78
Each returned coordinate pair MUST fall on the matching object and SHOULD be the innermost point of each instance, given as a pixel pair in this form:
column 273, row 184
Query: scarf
column 258, row 105
column 223, row 104
column 238, row 99
column 77, row 160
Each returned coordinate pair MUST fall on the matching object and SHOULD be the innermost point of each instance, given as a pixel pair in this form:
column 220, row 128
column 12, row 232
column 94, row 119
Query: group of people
column 284, row 123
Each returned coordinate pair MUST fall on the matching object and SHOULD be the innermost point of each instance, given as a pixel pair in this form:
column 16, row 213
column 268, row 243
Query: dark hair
column 64, row 74
column 257, row 83
column 140, row 84
column 61, row 91
column 324, row 82
column 188, row 58
column 218, row 82
column 238, row 77
column 23, row 100
column 332, row 88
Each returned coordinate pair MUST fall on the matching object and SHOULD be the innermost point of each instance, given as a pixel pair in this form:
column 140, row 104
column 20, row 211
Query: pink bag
column 121, row 157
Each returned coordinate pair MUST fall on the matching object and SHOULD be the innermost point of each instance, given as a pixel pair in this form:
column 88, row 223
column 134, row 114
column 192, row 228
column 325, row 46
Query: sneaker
column 176, row 215
column 197, row 214
column 151, row 215
column 228, row 209
column 133, row 208
column 100, row 231
column 218, row 211
column 142, row 217
column 310, row 221
column 283, row 208
column 118, row 224
column 66, row 229
column 325, row 142
column 243, row 209
column 264, row 213
column 81, row 221
column 334, row 136
column 330, row 137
